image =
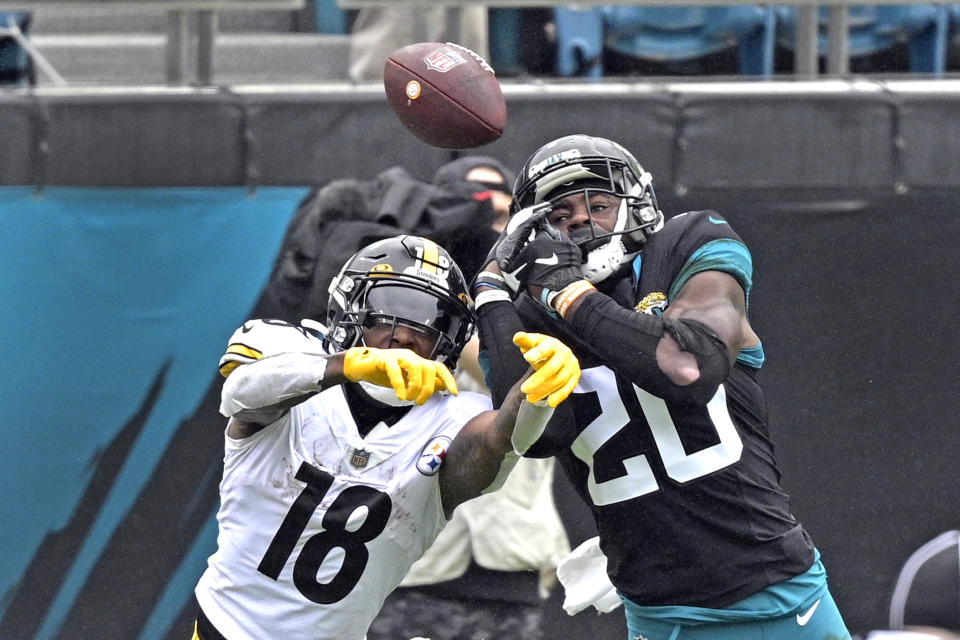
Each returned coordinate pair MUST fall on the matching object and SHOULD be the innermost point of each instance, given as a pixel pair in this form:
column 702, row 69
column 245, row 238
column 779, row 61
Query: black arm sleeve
column 497, row 322
column 627, row 341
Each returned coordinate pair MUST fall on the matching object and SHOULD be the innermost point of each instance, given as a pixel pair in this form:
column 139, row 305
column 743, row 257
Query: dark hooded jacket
column 335, row 221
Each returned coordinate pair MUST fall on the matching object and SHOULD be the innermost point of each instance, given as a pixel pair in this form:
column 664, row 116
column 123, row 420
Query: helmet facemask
column 637, row 217
column 400, row 302
column 402, row 282
column 391, row 305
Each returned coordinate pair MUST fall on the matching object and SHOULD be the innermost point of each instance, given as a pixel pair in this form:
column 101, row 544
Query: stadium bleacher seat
column 661, row 34
column 505, row 25
column 16, row 67
column 953, row 38
column 330, row 18
column 579, row 42
column 877, row 28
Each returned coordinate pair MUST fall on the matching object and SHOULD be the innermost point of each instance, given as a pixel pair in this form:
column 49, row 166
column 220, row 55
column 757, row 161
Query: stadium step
column 65, row 21
column 140, row 58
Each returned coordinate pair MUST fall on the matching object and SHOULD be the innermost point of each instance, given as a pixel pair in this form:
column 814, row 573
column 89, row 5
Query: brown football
column 445, row 94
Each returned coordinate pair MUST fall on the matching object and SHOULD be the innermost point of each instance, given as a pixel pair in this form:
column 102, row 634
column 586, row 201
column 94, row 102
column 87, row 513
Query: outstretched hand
column 520, row 230
column 557, row 370
column 548, row 263
column 411, row 377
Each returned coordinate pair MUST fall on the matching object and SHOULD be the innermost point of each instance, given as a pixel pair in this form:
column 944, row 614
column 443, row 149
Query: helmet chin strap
column 603, row 261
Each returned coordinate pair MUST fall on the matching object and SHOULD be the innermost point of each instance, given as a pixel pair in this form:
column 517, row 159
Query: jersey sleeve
column 558, row 435
column 711, row 244
column 465, row 406
column 258, row 339
column 502, row 362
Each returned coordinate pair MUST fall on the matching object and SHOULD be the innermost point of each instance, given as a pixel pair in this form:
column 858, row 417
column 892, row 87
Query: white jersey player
column 347, row 449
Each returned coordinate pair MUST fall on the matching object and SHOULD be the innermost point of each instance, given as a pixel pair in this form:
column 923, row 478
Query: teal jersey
column 686, row 497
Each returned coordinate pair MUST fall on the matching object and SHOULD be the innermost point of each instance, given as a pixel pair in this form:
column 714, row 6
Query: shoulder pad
column 258, row 339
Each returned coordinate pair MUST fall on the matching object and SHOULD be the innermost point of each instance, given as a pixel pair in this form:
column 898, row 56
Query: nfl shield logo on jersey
column 433, row 455
column 360, row 458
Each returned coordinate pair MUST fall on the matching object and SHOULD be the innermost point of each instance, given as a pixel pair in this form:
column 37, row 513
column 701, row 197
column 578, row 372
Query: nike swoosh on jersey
column 803, row 619
column 548, row 261
column 716, row 221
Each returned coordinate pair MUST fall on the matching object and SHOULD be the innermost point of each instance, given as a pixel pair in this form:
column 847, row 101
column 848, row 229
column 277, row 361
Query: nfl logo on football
column 442, row 60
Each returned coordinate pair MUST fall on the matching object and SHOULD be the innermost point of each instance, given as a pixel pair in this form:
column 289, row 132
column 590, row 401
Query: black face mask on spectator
column 456, row 193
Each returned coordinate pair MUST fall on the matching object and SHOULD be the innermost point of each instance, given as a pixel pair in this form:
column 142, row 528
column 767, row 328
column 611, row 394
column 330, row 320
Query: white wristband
column 490, row 294
column 531, row 421
column 506, row 466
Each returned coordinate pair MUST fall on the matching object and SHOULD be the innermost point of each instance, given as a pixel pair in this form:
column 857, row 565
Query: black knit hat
column 459, row 168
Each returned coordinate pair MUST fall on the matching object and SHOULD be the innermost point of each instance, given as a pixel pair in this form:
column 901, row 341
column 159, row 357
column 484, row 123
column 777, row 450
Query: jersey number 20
column 639, row 479
column 335, row 535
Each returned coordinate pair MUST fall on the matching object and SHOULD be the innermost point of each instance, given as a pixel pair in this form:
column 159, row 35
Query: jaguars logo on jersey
column 653, row 302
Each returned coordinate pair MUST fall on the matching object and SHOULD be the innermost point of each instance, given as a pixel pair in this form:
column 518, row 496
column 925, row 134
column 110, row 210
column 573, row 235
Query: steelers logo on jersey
column 432, row 456
column 654, row 302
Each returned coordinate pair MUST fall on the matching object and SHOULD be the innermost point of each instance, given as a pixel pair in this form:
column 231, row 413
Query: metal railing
column 807, row 25
column 181, row 29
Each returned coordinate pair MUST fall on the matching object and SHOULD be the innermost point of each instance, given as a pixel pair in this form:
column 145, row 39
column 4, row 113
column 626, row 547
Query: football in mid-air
column 445, row 94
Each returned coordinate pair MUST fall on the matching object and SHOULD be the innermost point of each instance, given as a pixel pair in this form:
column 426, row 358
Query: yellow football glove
column 557, row 369
column 410, row 376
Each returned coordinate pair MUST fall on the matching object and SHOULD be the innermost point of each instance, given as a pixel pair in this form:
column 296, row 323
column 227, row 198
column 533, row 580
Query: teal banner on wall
column 116, row 306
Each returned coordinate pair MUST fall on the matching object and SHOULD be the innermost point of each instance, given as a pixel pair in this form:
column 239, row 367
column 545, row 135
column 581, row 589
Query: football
column 445, row 94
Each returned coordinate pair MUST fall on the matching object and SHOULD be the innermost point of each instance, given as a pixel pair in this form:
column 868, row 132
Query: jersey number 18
column 335, row 535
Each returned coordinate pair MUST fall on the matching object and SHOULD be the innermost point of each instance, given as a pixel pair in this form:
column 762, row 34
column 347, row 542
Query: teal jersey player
column 666, row 438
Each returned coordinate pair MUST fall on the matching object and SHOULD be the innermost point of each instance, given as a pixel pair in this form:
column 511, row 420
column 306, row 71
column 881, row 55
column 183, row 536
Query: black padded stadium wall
column 802, row 135
column 848, row 194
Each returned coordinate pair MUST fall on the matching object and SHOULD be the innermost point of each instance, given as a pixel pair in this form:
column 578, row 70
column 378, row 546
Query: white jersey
column 319, row 525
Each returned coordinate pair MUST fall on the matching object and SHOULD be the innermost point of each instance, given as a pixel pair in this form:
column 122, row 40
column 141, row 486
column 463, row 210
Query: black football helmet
column 404, row 281
column 588, row 164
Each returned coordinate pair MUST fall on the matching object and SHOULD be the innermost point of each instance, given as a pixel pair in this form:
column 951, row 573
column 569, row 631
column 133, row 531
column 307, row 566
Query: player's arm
column 259, row 393
column 497, row 322
column 717, row 300
column 489, row 445
column 270, row 369
column 497, row 318
column 683, row 355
